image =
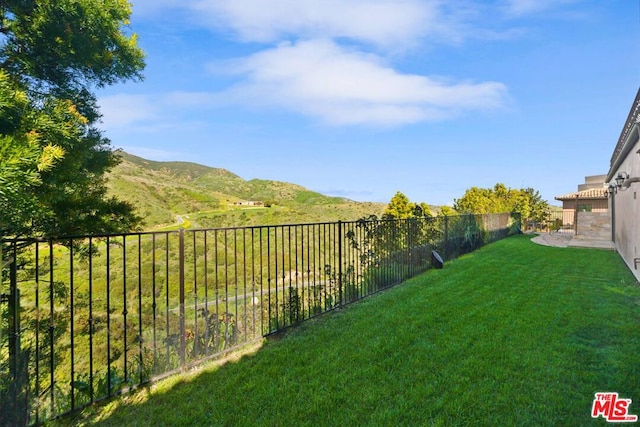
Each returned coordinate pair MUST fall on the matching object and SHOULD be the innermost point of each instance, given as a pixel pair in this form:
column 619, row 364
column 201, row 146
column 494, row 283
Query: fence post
column 446, row 236
column 17, row 404
column 340, row 242
column 407, row 252
column 575, row 219
column 183, row 344
column 18, row 362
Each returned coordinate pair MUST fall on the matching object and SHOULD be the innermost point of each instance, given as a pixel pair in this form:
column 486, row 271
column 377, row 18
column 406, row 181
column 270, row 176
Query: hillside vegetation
column 189, row 194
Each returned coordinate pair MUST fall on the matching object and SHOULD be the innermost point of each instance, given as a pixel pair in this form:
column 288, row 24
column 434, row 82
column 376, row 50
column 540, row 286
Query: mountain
column 203, row 196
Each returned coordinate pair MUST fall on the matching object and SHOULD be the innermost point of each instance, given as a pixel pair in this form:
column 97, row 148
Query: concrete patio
column 563, row 240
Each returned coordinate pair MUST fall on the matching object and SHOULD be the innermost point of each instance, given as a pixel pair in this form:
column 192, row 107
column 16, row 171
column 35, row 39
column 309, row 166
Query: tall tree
column 447, row 211
column 54, row 54
column 527, row 202
column 400, row 207
column 538, row 208
column 475, row 200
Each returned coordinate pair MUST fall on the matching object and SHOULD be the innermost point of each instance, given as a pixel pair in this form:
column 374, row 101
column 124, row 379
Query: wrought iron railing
column 89, row 317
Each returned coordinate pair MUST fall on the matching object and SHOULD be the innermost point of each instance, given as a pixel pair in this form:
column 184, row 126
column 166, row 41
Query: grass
column 513, row 334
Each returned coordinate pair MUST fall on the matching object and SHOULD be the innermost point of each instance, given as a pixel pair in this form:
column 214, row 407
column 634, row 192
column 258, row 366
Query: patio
column 563, row 240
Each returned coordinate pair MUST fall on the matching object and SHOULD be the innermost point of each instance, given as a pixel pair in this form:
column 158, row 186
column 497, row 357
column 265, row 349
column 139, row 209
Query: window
column 584, row 208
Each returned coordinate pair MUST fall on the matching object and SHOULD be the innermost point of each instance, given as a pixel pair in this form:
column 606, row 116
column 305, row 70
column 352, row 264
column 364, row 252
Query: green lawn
column 513, row 334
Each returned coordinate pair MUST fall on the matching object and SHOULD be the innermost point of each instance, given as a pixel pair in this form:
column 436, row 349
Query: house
column 586, row 212
column 254, row 203
column 624, row 179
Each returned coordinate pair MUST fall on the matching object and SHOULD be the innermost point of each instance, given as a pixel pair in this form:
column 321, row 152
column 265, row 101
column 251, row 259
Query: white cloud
column 396, row 25
column 318, row 79
column 122, row 109
column 312, row 72
column 386, row 23
column 340, row 86
column 527, row 7
column 153, row 113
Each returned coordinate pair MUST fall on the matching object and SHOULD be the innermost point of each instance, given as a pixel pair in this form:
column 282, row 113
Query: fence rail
column 88, row 317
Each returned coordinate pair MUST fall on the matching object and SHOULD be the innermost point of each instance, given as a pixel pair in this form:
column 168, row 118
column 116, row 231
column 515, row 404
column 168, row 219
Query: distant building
column 248, row 203
column 586, row 211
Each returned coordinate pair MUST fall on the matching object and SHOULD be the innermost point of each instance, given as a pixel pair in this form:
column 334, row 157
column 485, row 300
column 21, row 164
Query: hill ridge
column 209, row 196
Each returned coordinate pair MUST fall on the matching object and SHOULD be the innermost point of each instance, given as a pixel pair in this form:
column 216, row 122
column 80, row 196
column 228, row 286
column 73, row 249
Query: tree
column 53, row 55
column 446, row 211
column 538, row 208
column 421, row 210
column 400, row 207
column 475, row 200
column 22, row 158
column 527, row 202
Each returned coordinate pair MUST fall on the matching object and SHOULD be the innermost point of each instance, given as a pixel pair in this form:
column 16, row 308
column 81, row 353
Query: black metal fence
column 84, row 318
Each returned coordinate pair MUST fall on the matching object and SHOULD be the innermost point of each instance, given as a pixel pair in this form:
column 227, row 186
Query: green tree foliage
column 400, row 207
column 538, row 209
column 410, row 223
column 527, row 202
column 447, row 211
column 53, row 55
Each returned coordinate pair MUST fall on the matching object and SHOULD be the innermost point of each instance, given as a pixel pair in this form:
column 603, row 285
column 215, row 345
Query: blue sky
column 363, row 98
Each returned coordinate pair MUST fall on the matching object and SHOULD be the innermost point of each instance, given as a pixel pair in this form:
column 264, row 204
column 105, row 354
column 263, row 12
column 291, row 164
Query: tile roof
column 594, row 193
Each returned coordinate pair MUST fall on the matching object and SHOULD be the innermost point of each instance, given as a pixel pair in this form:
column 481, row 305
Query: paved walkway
column 561, row 240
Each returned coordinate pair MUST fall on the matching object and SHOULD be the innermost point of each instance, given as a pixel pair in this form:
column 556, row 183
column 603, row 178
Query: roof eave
column 628, row 138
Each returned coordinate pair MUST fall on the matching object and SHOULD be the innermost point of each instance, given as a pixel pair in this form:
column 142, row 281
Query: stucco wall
column 596, row 205
column 627, row 209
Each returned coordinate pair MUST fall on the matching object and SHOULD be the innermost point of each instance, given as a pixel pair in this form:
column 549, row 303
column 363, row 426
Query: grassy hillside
column 204, row 197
